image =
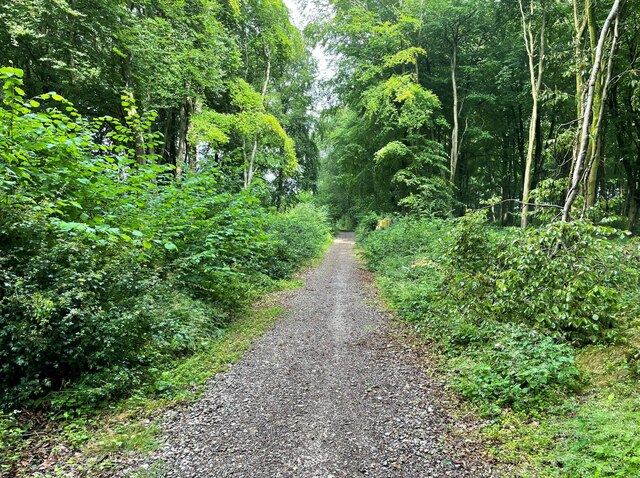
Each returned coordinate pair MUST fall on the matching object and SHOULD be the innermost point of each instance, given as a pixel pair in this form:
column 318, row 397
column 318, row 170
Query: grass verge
column 99, row 443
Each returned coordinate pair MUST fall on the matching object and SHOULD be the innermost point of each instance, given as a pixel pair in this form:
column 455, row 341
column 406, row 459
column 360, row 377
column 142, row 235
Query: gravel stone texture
column 326, row 393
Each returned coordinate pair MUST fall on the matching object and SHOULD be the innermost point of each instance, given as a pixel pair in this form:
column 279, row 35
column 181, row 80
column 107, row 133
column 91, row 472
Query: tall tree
column 588, row 113
column 535, row 43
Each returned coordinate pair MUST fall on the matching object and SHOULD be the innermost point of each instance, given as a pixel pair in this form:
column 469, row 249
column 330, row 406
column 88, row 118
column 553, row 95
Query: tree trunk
column 181, row 156
column 597, row 124
column 587, row 114
column 250, row 166
column 455, row 133
column 632, row 221
column 536, row 85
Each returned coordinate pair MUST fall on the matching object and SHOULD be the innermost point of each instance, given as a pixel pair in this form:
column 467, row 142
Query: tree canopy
column 458, row 104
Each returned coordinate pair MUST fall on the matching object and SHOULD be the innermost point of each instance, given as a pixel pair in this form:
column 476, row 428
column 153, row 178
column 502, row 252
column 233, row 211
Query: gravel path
column 326, row 393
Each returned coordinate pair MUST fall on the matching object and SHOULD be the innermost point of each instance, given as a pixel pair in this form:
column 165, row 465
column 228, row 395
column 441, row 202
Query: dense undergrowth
column 538, row 330
column 112, row 270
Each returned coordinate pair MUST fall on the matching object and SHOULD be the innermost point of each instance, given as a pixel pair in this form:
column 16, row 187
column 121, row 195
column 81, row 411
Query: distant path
column 326, row 393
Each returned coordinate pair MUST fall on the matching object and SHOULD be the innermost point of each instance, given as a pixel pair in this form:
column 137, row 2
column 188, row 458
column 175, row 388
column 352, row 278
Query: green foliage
column 299, row 234
column 384, row 148
column 602, row 438
column 110, row 268
column 495, row 303
column 469, row 246
column 512, row 366
column 230, row 81
column 367, row 224
column 505, row 307
column 562, row 277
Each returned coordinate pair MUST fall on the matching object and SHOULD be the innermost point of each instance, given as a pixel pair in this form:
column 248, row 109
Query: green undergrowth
column 537, row 330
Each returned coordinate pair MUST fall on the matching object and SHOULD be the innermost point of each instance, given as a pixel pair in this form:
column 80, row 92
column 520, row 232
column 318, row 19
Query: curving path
column 326, row 393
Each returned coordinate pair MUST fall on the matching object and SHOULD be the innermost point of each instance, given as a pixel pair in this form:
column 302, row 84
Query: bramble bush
column 109, row 266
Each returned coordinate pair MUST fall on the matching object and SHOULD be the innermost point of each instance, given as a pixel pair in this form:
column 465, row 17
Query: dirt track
column 326, row 393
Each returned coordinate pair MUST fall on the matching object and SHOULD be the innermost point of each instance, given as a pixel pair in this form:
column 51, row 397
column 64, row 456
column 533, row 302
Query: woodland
column 165, row 164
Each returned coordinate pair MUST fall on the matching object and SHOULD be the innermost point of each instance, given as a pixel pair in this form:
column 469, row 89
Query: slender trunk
column 191, row 147
column 244, row 158
column 597, row 125
column 140, row 149
column 579, row 25
column 183, row 130
column 536, row 85
column 526, row 189
column 166, row 135
column 455, row 133
column 633, row 189
column 632, row 220
column 578, row 168
column 250, row 166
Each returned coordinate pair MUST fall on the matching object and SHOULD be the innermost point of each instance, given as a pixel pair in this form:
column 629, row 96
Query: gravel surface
column 326, row 393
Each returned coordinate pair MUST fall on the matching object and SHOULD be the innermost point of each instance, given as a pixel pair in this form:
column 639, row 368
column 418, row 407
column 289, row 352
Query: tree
column 588, row 113
column 535, row 53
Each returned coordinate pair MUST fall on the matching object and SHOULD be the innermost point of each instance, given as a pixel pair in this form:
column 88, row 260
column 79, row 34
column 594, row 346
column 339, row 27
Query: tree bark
column 597, row 125
column 181, row 156
column 536, row 85
column 587, row 114
column 455, row 133
column 250, row 167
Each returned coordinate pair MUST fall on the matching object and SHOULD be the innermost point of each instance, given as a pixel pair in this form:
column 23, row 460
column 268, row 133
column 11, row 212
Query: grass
column 593, row 434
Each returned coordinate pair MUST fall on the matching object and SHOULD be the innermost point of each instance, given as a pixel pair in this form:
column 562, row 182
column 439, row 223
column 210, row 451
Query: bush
column 468, row 245
column 407, row 240
column 515, row 367
column 297, row 235
column 56, row 303
column 506, row 306
column 367, row 224
column 109, row 267
column 565, row 278
column 60, row 291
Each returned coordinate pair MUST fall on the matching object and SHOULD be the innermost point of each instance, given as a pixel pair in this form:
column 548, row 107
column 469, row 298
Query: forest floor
column 334, row 389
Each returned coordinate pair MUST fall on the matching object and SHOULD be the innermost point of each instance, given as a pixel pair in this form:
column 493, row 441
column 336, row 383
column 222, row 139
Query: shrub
column 56, row 303
column 61, row 291
column 367, row 224
column 468, row 243
column 565, row 278
column 297, row 235
column 407, row 240
column 514, row 367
